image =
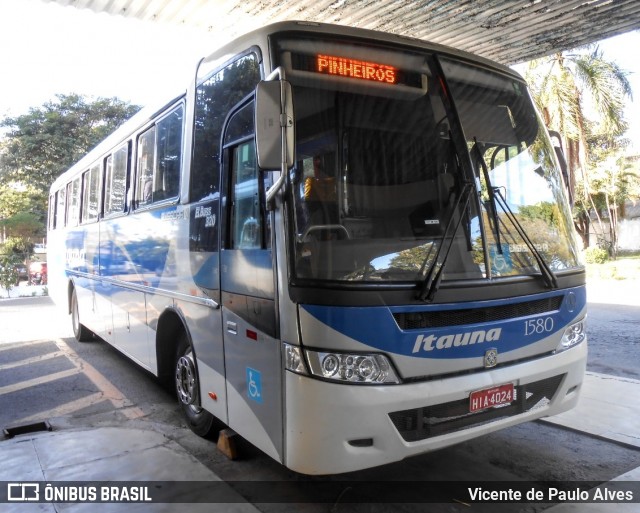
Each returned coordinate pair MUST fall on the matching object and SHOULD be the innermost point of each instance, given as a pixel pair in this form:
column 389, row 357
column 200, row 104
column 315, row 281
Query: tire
column 81, row 333
column 187, row 387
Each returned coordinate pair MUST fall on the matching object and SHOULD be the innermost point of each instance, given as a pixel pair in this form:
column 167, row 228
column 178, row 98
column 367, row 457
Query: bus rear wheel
column 187, row 386
column 81, row 333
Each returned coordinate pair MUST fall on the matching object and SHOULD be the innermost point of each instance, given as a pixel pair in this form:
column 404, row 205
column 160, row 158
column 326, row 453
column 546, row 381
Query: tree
column 580, row 95
column 24, row 226
column 612, row 182
column 8, row 271
column 16, row 200
column 45, row 142
column 41, row 145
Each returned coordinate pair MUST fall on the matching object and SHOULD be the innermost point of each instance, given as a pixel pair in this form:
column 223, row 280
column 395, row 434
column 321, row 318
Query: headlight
column 355, row 368
column 573, row 335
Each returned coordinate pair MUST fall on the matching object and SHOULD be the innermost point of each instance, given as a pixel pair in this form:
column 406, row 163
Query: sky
column 48, row 49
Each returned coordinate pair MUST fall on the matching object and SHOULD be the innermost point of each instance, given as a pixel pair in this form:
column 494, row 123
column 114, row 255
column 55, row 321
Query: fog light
column 573, row 335
column 293, row 359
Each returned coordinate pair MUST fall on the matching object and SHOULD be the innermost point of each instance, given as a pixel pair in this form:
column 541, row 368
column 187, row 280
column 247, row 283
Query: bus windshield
column 379, row 176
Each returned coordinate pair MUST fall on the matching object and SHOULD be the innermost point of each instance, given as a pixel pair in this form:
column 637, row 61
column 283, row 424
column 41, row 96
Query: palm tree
column 579, row 94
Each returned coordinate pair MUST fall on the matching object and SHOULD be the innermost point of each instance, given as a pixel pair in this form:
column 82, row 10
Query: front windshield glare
column 374, row 186
column 378, row 179
column 513, row 158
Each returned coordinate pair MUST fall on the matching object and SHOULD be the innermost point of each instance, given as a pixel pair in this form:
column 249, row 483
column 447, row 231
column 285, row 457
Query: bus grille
column 440, row 419
column 444, row 318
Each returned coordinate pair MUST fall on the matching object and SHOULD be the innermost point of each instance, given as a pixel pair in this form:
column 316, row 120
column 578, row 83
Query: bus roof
column 260, row 38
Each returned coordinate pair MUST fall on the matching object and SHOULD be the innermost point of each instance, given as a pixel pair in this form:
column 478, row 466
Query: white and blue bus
column 350, row 247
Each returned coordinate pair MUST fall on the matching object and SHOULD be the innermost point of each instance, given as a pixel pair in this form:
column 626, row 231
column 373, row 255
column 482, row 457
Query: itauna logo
column 432, row 342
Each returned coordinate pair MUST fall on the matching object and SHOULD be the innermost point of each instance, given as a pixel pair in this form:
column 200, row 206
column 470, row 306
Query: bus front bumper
column 334, row 428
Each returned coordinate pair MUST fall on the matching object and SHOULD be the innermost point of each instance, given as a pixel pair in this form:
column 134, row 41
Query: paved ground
column 609, row 408
column 615, row 292
column 50, row 322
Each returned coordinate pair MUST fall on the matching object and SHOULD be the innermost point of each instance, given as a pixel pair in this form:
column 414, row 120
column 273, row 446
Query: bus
column 349, row 247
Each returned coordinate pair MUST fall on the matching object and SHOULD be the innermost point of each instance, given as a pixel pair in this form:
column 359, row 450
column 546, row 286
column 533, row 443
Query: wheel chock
column 227, row 443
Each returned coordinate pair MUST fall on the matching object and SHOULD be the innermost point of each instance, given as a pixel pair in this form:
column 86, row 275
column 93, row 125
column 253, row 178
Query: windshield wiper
column 491, row 193
column 432, row 279
column 550, row 279
column 548, row 276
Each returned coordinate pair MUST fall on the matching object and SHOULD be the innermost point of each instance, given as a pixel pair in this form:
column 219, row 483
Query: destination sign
column 352, row 68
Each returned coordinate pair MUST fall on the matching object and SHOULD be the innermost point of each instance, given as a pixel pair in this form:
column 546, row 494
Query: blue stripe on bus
column 109, row 249
column 376, row 327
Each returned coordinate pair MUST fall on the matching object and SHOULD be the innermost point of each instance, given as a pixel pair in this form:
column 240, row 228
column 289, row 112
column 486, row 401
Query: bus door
column 252, row 352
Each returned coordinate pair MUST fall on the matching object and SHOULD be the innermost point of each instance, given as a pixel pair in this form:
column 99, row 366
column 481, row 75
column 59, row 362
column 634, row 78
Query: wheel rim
column 186, row 380
column 75, row 318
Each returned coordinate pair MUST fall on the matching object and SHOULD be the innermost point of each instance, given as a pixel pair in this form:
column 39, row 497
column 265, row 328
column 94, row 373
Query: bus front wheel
column 81, row 333
column 187, row 387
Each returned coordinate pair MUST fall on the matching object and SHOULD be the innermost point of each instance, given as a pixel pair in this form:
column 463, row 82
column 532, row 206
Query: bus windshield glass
column 521, row 189
column 379, row 175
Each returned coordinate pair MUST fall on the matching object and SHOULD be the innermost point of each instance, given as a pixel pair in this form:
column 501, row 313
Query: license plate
column 490, row 397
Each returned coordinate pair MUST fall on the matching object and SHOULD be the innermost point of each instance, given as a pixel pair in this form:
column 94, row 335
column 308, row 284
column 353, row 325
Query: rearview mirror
column 274, row 125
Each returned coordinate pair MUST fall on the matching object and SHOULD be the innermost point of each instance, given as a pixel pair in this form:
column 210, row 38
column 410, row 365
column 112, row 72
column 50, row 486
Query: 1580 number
column 538, row 326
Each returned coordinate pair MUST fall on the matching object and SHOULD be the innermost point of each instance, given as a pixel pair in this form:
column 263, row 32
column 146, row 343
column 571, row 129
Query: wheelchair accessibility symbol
column 254, row 385
column 501, row 263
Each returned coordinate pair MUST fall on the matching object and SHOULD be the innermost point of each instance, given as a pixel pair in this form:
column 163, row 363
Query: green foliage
column 14, row 252
column 412, row 259
column 8, row 269
column 22, row 211
column 545, row 211
column 560, row 85
column 596, row 255
column 23, row 225
column 625, row 267
column 17, row 246
column 42, row 144
column 45, row 142
column 16, row 198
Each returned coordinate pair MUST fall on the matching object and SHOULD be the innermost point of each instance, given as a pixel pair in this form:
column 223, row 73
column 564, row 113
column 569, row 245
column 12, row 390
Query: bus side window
column 160, row 160
column 116, row 181
column 169, row 156
column 90, row 193
column 73, row 203
column 61, row 207
column 246, row 217
column 146, row 165
column 52, row 211
column 245, row 210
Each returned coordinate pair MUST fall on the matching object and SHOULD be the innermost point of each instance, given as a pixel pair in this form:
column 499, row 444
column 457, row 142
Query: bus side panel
column 130, row 325
column 104, row 291
column 84, row 243
column 253, row 360
column 254, row 384
column 120, row 261
column 57, row 257
column 205, row 329
column 202, row 272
